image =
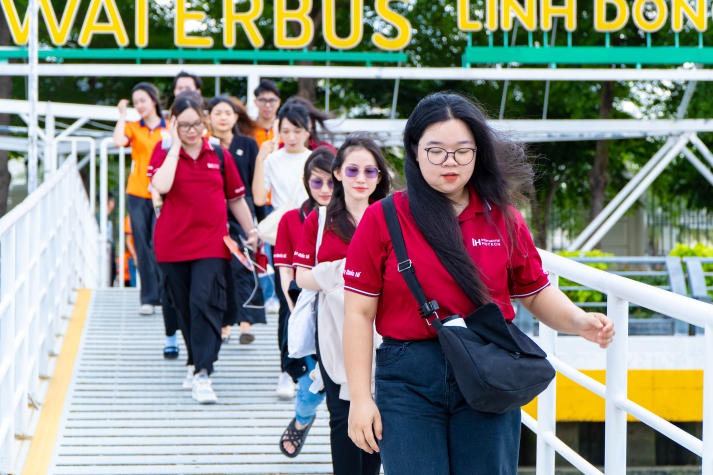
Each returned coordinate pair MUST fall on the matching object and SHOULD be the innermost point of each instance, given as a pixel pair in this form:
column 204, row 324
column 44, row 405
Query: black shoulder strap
column 219, row 151
column 405, row 266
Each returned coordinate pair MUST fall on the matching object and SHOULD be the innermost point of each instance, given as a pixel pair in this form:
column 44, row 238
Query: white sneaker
column 272, row 305
column 202, row 389
column 285, row 387
column 188, row 380
column 146, row 309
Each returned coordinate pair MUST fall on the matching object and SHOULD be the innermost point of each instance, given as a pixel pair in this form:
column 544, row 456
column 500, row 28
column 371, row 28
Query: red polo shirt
column 288, row 233
column 331, row 249
column 193, row 220
column 508, row 271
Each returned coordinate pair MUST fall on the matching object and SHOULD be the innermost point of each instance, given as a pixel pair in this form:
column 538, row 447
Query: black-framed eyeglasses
column 268, row 101
column 462, row 156
column 187, row 126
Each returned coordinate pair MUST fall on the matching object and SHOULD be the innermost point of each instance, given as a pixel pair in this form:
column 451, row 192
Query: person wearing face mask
column 142, row 136
column 467, row 245
column 189, row 235
column 360, row 177
column 317, row 179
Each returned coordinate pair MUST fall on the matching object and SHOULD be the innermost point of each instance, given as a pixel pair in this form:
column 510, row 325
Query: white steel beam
column 629, row 200
column 619, row 198
column 698, row 164
column 497, row 73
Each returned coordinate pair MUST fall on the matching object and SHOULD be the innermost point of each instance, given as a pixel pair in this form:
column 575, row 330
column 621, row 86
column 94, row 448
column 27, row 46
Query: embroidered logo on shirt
column 351, row 273
column 214, row 166
column 486, row 242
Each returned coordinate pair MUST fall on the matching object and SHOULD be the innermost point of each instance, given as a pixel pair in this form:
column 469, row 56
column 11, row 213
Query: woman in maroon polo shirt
column 360, row 177
column 188, row 238
column 318, row 182
column 467, row 244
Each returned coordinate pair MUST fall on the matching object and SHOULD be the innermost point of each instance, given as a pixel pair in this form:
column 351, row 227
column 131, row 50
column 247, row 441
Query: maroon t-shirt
column 332, row 248
column 193, row 219
column 509, row 271
column 288, row 233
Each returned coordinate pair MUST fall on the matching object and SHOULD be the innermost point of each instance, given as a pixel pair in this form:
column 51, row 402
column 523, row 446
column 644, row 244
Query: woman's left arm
column 240, row 209
column 552, row 307
column 305, row 279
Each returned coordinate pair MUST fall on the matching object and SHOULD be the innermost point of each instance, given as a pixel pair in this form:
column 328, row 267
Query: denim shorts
column 428, row 427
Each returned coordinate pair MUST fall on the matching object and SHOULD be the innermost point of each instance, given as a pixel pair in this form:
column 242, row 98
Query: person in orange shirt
column 142, row 136
column 129, row 255
column 267, row 100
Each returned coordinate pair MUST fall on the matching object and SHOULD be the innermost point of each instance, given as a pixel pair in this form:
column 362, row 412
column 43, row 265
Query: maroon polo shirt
column 508, row 271
column 193, row 219
column 288, row 233
column 331, row 249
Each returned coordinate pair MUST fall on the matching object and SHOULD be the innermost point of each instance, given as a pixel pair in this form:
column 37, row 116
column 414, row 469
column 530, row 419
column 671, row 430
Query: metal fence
column 620, row 293
column 48, row 249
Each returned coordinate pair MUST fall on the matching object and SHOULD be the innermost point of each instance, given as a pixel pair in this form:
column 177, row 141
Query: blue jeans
column 427, row 425
column 306, row 402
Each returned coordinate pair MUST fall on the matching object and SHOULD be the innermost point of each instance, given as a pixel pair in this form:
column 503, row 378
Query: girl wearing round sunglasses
column 317, row 180
column 360, row 177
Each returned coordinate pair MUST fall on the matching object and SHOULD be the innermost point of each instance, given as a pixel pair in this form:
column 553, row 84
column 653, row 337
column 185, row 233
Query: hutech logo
column 486, row 242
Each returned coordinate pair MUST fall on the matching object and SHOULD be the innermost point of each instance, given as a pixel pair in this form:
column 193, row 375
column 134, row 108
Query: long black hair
column 316, row 116
column 152, row 91
column 339, row 219
column 320, row 159
column 227, row 100
column 501, row 174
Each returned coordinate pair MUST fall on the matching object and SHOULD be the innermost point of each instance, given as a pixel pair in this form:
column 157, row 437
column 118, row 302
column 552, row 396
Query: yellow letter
column 601, row 24
column 568, row 11
column 141, row 28
column 640, row 20
column 697, row 17
column 301, row 16
column 491, row 15
column 59, row 31
column 180, row 36
column 329, row 27
column 114, row 27
column 512, row 9
column 465, row 23
column 402, row 38
column 247, row 19
column 20, row 32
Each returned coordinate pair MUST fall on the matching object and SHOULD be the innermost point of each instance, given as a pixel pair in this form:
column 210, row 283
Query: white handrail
column 47, row 251
column 620, row 292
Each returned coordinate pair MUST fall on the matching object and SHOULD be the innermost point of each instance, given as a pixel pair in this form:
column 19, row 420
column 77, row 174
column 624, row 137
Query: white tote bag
column 301, row 324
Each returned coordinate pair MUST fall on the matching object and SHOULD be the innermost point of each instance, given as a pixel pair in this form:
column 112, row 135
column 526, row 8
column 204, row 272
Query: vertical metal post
column 50, row 159
column 616, row 388
column 707, row 438
column 121, row 248
column 547, row 402
column 253, row 83
column 32, row 98
column 103, row 222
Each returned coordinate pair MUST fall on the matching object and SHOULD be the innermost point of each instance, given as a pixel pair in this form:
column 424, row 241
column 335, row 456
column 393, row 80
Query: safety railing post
column 616, row 388
column 547, row 402
column 707, row 436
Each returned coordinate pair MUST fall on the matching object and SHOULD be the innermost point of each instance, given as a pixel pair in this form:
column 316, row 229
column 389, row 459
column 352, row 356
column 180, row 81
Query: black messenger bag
column 497, row 367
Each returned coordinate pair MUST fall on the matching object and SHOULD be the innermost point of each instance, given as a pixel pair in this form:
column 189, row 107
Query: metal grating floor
column 126, row 412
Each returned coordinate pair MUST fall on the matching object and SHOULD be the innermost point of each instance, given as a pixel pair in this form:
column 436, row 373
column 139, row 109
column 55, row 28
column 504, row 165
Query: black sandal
column 294, row 436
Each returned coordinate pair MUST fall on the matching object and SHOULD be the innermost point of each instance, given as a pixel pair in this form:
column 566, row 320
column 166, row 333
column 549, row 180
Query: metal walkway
column 126, row 412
